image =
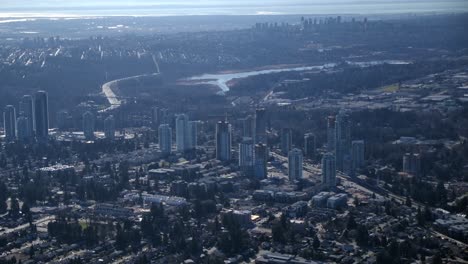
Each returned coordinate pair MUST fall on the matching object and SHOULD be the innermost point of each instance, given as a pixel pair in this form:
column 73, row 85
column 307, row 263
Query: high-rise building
column 343, row 139
column 412, row 164
column 286, row 140
column 246, row 155
column 331, row 134
column 163, row 116
column 155, row 115
column 357, row 154
column 63, row 119
column 309, row 145
column 295, row 164
column 22, row 129
column 26, row 109
column 223, row 141
column 261, row 126
column 248, row 127
column 328, row 170
column 165, row 138
column 182, row 133
column 9, row 123
column 88, row 125
column 260, row 161
column 41, row 115
column 109, row 127
column 192, row 134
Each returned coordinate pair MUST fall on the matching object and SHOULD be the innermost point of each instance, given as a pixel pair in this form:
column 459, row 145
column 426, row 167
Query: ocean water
column 87, row 8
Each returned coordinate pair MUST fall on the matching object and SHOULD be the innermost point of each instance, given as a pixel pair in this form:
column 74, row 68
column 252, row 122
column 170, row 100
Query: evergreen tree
column 3, row 197
column 14, row 207
column 316, row 243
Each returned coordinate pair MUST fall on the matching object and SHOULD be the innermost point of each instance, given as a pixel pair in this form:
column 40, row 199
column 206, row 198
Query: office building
column 286, row 140
column 165, row 138
column 261, row 126
column 9, row 123
column 192, row 134
column 109, row 127
column 295, row 163
column 182, row 133
column 88, row 125
column 342, row 139
column 223, row 141
column 412, row 164
column 309, row 145
column 41, row 115
column 260, row 161
column 246, row 155
column 328, row 170
column 26, row 109
column 357, row 154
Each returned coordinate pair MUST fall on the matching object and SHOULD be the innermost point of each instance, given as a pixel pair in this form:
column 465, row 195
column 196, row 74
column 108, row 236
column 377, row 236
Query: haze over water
column 87, row 8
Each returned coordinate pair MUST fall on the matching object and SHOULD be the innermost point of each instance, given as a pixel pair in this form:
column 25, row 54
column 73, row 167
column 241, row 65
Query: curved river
column 221, row 80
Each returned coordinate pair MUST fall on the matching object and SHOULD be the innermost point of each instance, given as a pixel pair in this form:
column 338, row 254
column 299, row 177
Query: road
column 112, row 98
column 40, row 221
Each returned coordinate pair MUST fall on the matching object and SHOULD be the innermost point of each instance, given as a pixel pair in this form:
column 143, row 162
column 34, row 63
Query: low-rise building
column 337, row 201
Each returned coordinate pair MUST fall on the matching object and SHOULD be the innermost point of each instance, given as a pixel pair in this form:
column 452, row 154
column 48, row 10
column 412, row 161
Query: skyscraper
column 309, row 145
column 163, row 116
column 260, row 126
column 9, row 123
column 248, row 127
column 165, row 138
column 109, row 127
column 88, row 125
column 41, row 115
column 260, row 161
column 63, row 119
column 192, row 134
column 343, row 139
column 155, row 115
column 357, row 154
column 246, row 155
column 26, row 109
column 223, row 141
column 286, row 140
column 295, row 164
column 331, row 134
column 328, row 170
column 22, row 129
column 182, row 133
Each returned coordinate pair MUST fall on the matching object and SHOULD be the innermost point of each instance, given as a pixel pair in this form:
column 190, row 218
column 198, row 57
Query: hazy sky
column 77, row 3
column 226, row 7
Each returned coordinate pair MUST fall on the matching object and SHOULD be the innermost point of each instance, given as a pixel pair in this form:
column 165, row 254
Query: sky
column 226, row 7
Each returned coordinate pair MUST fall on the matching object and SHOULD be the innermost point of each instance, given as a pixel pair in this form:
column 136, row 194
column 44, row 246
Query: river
column 222, row 80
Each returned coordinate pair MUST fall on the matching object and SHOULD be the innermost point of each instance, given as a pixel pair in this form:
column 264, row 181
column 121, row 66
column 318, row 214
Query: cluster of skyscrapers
column 186, row 132
column 32, row 121
column 343, row 154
